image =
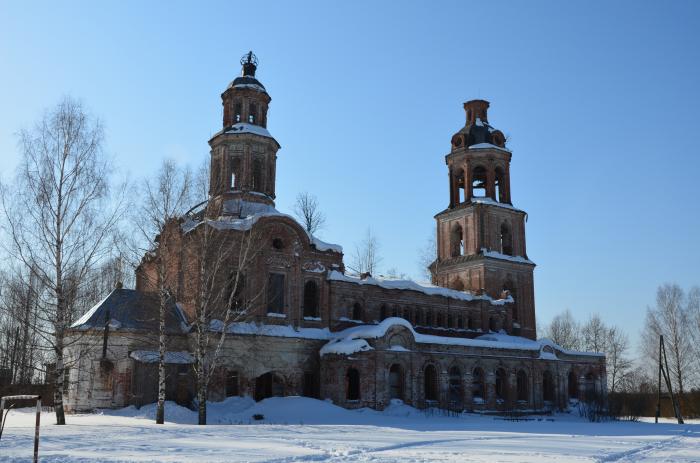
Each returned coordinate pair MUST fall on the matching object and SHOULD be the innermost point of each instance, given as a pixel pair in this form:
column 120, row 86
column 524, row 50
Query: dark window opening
column 522, row 386
column 501, row 384
column 499, row 185
column 232, row 384
column 237, row 112
column 236, row 301
column 277, row 243
column 257, row 175
column 547, row 387
column 457, row 243
column 478, row 384
column 275, row 293
column 352, row 379
column 430, row 384
column 395, row 382
column 461, row 187
column 382, row 313
column 235, row 174
column 573, row 386
column 492, row 324
column 455, row 389
column 460, row 322
column 311, row 385
column 470, row 323
column 252, row 113
column 311, row 299
column 268, row 385
column 357, row 311
column 506, row 240
column 479, row 182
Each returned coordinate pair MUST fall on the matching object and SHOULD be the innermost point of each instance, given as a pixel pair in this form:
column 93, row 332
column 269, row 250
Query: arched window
column 479, row 182
column 460, row 322
column 395, row 382
column 257, row 175
column 573, row 385
column 501, row 384
column 455, row 387
column 457, row 241
column 547, row 387
column 235, row 173
column 383, row 313
column 352, row 384
column 478, row 385
column 506, row 240
column 499, row 186
column 236, row 291
column 311, row 299
column 237, row 112
column 252, row 113
column 522, row 386
column 357, row 311
column 471, row 324
column 430, row 380
column 461, row 186
column 275, row 293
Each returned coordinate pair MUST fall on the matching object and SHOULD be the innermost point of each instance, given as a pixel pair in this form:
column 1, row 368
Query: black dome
column 247, row 80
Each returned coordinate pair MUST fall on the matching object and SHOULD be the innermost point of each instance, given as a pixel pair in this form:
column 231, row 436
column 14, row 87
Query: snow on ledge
column 152, row 356
column 353, row 340
column 498, row 255
column 487, row 146
column 244, row 127
column 431, row 290
column 489, row 201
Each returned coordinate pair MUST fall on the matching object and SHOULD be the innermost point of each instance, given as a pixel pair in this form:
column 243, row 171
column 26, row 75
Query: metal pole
column 658, row 392
column 36, row 431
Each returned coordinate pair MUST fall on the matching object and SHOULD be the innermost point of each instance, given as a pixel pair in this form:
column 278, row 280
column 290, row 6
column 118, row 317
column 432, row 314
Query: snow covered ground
column 300, row 429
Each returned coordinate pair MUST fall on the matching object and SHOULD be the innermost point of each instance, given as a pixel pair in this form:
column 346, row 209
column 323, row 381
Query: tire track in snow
column 635, row 453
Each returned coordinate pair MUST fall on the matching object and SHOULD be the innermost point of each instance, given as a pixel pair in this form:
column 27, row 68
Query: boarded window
column 232, row 384
column 311, row 299
column 275, row 293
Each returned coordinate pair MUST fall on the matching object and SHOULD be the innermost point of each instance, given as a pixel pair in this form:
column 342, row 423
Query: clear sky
column 600, row 100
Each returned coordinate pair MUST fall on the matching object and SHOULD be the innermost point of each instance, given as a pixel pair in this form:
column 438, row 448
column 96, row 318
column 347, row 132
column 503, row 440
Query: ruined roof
column 128, row 309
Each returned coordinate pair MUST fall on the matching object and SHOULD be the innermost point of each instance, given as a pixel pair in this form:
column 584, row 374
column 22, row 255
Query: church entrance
column 268, row 385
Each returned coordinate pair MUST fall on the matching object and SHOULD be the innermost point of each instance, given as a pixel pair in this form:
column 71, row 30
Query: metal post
column 658, row 391
column 36, row 431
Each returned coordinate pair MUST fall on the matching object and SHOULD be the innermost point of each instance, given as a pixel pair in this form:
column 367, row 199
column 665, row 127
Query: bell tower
column 243, row 153
column 481, row 235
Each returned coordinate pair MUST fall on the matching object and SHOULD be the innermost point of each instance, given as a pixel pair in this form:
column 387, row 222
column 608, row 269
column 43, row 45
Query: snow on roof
column 390, row 283
column 353, row 340
column 152, row 356
column 244, row 127
column 247, row 213
column 498, row 255
column 487, row 200
column 253, row 86
column 488, row 145
column 283, row 331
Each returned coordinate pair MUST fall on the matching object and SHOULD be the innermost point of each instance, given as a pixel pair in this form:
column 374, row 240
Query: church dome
column 477, row 130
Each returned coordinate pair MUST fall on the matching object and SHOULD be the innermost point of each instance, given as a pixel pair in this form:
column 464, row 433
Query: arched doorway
column 396, row 382
column 268, row 385
column 573, row 385
column 456, row 388
column 430, row 379
column 547, row 387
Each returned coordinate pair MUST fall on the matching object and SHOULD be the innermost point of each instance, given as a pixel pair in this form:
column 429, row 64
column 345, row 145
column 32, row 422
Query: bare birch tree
column 366, row 257
column 58, row 218
column 594, row 335
column 670, row 318
column 427, row 255
column 165, row 198
column 307, row 210
column 565, row 331
column 618, row 364
column 223, row 257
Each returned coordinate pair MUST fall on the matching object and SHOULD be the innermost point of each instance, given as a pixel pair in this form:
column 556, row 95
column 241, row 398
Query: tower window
column 479, row 182
column 461, row 186
column 237, row 112
column 506, row 240
column 499, row 186
column 252, row 113
column 457, row 241
column 257, row 175
column 235, row 173
column 311, row 299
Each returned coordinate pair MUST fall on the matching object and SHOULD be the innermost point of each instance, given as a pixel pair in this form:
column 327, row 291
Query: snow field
column 301, row 429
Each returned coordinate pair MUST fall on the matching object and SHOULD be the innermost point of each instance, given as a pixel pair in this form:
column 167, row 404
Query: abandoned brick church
column 466, row 342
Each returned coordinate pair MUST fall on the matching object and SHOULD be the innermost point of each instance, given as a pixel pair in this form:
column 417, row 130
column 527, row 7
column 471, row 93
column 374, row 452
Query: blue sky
column 600, row 100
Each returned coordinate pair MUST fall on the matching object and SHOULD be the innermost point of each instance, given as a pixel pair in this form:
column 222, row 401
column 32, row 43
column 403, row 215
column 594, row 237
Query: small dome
column 247, row 82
